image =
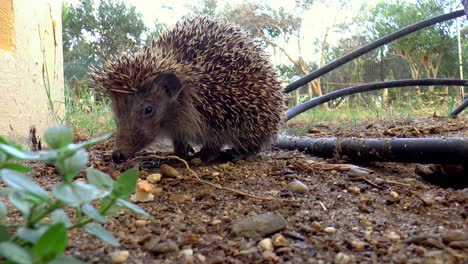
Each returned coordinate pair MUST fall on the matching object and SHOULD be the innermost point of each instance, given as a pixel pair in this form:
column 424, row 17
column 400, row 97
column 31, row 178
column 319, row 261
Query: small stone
column 342, row 258
column 169, row 171
column 165, row 247
column 215, row 174
column 140, row 222
column 181, row 198
column 459, row 244
column 259, row 225
column 196, row 161
column 358, row 246
column 393, row 236
column 379, row 181
column 273, row 205
column 224, row 166
column 154, row 178
column 269, row 255
column 316, row 225
column 329, row 230
column 407, row 206
column 454, row 235
column 294, row 235
column 354, row 190
column 439, row 199
column 280, row 241
column 216, row 222
column 297, row 187
column 119, row 256
column 266, row 244
column 200, row 257
column 188, row 255
column 394, row 197
column 358, row 173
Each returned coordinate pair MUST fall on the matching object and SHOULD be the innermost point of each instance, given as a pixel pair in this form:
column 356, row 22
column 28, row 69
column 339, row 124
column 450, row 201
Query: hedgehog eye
column 148, row 111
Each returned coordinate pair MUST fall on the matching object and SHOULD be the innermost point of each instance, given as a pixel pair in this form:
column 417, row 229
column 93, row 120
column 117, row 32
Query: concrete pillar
column 31, row 67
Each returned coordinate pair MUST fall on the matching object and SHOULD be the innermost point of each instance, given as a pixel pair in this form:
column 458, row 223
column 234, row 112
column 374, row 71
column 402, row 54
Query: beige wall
column 30, row 54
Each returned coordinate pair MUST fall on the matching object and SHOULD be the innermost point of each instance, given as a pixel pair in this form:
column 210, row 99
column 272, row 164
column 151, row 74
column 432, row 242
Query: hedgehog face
column 140, row 116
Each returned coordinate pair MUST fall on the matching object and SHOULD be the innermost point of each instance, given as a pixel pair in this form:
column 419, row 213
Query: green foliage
column 42, row 237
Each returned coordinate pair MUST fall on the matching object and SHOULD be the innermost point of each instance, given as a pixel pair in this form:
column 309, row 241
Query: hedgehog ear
column 169, row 83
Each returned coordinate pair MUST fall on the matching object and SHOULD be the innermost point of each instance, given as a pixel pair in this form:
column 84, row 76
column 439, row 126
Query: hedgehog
column 205, row 82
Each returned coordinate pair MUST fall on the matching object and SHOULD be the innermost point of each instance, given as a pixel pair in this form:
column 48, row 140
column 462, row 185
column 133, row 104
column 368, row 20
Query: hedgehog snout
column 118, row 156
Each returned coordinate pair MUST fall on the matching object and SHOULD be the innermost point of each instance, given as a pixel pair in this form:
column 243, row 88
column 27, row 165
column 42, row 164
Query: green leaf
column 5, row 191
column 126, row 183
column 14, row 253
column 18, row 154
column 111, row 209
column 76, row 193
column 66, row 260
column 21, row 182
column 89, row 143
column 22, row 202
column 71, row 166
column 16, row 167
column 3, row 157
column 3, row 211
column 4, row 235
column 93, row 213
column 58, row 136
column 59, row 216
column 101, row 233
column 52, row 243
column 131, row 206
column 31, row 234
column 99, row 179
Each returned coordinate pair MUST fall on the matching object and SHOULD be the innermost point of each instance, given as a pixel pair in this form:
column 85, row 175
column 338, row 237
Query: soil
column 379, row 213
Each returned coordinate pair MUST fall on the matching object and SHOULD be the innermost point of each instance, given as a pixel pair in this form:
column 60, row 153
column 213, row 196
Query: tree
column 422, row 50
column 92, row 32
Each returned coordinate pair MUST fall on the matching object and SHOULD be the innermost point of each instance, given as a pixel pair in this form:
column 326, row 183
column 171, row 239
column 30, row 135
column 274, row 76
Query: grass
column 347, row 116
column 88, row 115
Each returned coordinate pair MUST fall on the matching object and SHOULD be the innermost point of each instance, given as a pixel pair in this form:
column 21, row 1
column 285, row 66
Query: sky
column 314, row 21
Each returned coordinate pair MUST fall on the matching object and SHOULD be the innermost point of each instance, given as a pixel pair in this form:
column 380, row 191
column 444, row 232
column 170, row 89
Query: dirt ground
column 378, row 213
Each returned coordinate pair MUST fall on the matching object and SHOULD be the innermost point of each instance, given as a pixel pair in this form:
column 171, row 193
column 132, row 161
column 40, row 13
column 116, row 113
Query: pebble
column 358, row 173
column 216, row 222
column 165, row 247
column 316, row 225
column 169, row 171
column 188, row 255
column 393, row 236
column 181, row 198
column 329, row 230
column 280, row 241
column 266, row 244
column 119, row 256
column 269, row 255
column 454, row 235
column 354, row 190
column 259, row 225
column 196, row 161
column 394, row 197
column 154, row 178
column 358, row 245
column 297, row 187
column 379, row 181
column 140, row 222
column 342, row 258
column 200, row 257
column 224, row 166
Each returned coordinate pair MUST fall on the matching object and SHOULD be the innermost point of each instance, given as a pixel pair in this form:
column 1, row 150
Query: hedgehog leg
column 181, row 148
column 209, row 152
column 249, row 152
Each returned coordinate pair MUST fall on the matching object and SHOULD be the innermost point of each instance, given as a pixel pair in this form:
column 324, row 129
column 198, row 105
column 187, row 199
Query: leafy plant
column 42, row 237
